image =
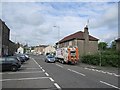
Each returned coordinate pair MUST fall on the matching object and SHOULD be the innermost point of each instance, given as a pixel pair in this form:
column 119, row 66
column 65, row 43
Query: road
column 36, row 73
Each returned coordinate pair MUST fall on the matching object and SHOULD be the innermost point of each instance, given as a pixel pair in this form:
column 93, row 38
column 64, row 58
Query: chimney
column 86, row 30
column 86, row 42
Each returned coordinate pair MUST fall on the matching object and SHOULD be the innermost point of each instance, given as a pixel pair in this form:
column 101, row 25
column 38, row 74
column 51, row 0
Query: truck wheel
column 14, row 68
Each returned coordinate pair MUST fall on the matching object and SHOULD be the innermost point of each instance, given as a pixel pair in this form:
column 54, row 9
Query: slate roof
column 78, row 35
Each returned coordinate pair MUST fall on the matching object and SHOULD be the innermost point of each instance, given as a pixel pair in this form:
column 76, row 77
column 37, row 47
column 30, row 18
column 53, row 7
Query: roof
column 118, row 40
column 78, row 35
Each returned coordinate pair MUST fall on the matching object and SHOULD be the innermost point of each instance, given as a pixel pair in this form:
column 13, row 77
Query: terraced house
column 86, row 43
column 7, row 47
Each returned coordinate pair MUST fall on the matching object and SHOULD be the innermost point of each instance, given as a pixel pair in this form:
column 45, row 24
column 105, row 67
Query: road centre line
column 25, row 79
column 51, row 79
column 109, row 84
column 43, row 70
column 59, row 65
column 77, row 72
column 36, row 62
column 22, row 72
column 58, row 87
column 47, row 74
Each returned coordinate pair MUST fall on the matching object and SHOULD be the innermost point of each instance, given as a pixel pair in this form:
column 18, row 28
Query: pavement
column 38, row 74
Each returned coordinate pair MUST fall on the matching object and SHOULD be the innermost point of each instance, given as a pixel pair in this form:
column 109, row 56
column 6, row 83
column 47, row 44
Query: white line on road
column 36, row 62
column 109, row 84
column 43, row 70
column 77, row 72
column 51, row 79
column 24, row 79
column 22, row 72
column 103, row 72
column 47, row 74
column 59, row 65
column 32, row 68
column 57, row 85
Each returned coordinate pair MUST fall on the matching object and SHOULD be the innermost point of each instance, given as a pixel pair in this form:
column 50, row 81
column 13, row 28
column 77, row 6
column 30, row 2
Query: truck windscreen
column 73, row 53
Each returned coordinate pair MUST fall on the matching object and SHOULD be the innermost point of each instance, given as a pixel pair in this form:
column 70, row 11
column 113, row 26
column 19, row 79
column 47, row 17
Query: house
column 118, row 44
column 7, row 47
column 40, row 49
column 12, row 48
column 49, row 49
column 86, row 43
column 20, row 50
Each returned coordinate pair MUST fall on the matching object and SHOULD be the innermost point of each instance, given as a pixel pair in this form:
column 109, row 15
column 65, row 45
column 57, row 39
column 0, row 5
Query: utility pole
column 58, row 33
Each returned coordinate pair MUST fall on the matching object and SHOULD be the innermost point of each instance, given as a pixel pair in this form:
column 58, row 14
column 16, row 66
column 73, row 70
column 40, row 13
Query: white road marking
column 36, row 62
column 47, row 74
column 22, row 72
column 24, row 79
column 77, row 72
column 43, row 70
column 93, row 69
column 109, row 84
column 116, row 75
column 109, row 73
column 103, row 72
column 58, row 87
column 59, row 65
column 32, row 68
column 51, row 79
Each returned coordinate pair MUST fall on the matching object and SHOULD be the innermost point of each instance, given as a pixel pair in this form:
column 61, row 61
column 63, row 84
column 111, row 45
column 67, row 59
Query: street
column 36, row 73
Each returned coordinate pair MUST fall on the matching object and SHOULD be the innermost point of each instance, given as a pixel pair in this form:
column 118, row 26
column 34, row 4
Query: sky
column 33, row 22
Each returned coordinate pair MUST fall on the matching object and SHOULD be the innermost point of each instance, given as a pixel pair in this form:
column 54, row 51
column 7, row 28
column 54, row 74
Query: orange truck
column 67, row 55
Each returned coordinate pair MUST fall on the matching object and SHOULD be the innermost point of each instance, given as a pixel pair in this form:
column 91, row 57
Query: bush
column 107, row 59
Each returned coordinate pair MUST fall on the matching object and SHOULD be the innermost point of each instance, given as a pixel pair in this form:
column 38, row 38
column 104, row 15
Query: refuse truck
column 67, row 55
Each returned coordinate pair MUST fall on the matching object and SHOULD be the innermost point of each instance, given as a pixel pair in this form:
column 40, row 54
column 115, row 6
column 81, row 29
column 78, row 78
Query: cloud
column 33, row 22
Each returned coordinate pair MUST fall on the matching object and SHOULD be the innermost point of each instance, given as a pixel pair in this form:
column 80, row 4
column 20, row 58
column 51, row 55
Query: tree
column 113, row 45
column 102, row 45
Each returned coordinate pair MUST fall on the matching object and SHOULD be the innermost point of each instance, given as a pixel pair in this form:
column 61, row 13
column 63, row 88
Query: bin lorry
column 67, row 55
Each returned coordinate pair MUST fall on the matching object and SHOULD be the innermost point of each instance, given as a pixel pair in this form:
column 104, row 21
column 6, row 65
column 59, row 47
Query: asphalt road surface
column 36, row 73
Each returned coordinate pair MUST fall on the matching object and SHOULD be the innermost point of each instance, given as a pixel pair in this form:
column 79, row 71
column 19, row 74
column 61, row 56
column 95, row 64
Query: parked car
column 50, row 58
column 10, row 63
column 26, row 57
column 22, row 58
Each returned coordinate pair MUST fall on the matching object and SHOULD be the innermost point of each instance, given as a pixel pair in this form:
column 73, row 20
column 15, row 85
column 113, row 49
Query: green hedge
column 107, row 59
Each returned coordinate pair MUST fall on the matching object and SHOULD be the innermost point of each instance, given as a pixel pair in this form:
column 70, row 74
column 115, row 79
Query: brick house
column 86, row 43
column 118, row 44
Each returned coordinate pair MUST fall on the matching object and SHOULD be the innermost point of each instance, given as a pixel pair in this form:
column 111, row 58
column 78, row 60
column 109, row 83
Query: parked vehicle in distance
column 10, row 63
column 23, row 57
column 26, row 57
column 50, row 58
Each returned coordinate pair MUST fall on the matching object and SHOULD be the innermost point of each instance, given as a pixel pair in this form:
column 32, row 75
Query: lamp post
column 58, row 33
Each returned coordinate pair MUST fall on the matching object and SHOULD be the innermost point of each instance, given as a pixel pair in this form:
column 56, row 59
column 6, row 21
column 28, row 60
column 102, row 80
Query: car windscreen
column 50, row 56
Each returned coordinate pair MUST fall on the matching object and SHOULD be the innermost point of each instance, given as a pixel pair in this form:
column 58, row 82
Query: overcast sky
column 32, row 22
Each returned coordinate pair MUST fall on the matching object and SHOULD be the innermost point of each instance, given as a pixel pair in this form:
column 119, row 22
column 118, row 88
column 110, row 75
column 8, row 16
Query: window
column 10, row 59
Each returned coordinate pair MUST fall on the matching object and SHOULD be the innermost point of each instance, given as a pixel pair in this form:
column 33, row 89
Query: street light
column 58, row 33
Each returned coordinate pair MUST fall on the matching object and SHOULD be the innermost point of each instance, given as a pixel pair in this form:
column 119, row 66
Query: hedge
column 107, row 59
